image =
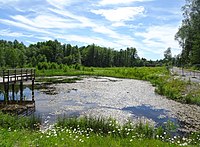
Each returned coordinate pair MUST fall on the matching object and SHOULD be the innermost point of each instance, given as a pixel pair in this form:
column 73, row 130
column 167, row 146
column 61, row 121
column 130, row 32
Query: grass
column 94, row 132
column 137, row 73
column 16, row 122
column 70, row 138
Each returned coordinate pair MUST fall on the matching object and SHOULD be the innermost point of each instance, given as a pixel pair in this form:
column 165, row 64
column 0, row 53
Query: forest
column 15, row 54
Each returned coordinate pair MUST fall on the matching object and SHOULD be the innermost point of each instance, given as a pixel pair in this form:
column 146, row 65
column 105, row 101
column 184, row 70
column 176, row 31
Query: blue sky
column 147, row 25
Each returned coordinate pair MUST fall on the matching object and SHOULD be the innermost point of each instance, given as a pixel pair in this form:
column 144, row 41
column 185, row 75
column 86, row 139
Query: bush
column 42, row 65
column 53, row 65
column 77, row 67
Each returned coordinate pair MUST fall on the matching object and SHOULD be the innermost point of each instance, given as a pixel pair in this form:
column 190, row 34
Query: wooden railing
column 14, row 75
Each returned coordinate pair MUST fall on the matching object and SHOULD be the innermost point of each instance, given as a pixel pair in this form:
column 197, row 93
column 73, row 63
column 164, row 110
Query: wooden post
column 182, row 72
column 34, row 74
column 3, row 76
column 33, row 90
column 21, row 91
column 21, row 75
column 8, row 77
column 6, row 88
column 15, row 75
column 13, row 92
column 26, row 74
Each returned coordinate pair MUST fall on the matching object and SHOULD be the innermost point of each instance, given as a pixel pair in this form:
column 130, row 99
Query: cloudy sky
column 147, row 25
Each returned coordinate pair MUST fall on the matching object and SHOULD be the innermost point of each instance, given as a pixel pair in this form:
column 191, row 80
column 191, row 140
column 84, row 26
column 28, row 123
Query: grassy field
column 24, row 138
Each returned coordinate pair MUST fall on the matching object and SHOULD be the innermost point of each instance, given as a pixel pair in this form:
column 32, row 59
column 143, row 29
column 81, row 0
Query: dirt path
column 194, row 76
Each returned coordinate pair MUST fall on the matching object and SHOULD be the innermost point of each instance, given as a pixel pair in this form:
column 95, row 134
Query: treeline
column 188, row 34
column 16, row 54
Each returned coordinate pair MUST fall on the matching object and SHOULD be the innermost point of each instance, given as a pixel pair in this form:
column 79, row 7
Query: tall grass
column 142, row 73
column 111, row 127
column 94, row 132
column 14, row 122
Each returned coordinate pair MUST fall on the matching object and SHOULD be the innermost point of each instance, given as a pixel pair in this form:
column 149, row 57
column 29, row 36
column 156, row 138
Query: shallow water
column 122, row 99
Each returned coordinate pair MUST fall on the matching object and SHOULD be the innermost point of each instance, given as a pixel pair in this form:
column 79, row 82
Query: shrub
column 53, row 65
column 42, row 65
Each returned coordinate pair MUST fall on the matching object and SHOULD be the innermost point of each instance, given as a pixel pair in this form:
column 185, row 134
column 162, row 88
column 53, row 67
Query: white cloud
column 60, row 4
column 9, row 33
column 3, row 2
column 21, row 25
column 115, row 39
column 157, row 39
column 105, row 30
column 85, row 22
column 116, row 2
column 88, row 40
column 120, row 14
column 44, row 38
column 118, row 24
column 31, row 42
column 46, row 21
column 9, row 3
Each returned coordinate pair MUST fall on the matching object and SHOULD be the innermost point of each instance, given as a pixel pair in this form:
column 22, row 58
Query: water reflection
column 157, row 115
column 27, row 94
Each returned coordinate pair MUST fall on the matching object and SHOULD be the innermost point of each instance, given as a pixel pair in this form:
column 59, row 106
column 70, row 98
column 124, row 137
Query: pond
column 122, row 99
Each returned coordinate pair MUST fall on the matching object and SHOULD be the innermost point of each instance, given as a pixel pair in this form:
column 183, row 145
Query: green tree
column 168, row 55
column 189, row 33
column 11, row 57
column 22, row 59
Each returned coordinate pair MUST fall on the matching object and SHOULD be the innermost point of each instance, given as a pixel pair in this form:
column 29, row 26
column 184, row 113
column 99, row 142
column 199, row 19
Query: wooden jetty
column 9, row 78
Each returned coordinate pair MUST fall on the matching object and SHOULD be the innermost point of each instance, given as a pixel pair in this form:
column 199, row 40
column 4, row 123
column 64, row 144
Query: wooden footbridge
column 9, row 78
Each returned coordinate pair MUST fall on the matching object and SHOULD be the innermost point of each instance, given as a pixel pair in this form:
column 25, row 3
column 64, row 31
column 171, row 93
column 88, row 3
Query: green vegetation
column 142, row 73
column 16, row 122
column 91, row 132
column 15, row 54
column 65, row 137
column 188, row 34
column 57, row 80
